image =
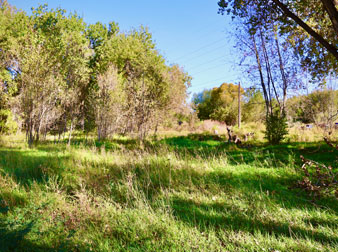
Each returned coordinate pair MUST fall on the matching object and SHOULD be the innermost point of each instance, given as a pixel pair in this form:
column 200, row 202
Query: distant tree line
column 58, row 73
column 319, row 107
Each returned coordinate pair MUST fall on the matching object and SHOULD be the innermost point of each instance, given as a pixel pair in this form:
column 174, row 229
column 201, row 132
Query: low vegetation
column 185, row 193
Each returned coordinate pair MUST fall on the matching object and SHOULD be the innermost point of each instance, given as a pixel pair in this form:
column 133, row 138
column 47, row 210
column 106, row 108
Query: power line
column 199, row 49
column 207, row 69
column 209, row 82
column 207, row 62
column 217, row 48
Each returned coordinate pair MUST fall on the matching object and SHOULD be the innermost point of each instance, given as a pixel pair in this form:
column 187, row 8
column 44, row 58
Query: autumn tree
column 219, row 104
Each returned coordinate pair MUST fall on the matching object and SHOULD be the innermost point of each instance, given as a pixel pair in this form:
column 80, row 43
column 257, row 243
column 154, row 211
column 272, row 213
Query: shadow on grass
column 151, row 177
column 26, row 166
column 223, row 216
column 13, row 239
column 208, row 146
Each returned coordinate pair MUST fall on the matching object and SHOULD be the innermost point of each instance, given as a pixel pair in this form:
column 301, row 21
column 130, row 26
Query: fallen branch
column 318, row 179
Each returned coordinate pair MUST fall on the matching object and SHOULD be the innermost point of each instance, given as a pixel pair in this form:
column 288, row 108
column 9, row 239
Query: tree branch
column 329, row 6
column 332, row 49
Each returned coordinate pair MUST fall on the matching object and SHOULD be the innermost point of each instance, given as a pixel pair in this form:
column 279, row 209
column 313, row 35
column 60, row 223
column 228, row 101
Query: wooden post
column 239, row 105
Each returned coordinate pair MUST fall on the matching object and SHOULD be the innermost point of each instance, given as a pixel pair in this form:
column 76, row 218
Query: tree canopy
column 58, row 73
column 221, row 104
column 311, row 27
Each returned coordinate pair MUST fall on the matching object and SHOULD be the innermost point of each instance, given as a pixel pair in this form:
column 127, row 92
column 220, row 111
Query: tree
column 57, row 73
column 219, row 104
column 148, row 90
column 108, row 103
column 253, row 108
column 319, row 107
column 11, row 26
column 50, row 70
column 269, row 63
column 311, row 27
column 202, row 104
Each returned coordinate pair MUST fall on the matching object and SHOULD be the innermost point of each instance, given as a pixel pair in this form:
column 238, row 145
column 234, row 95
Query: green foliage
column 202, row 104
column 50, row 68
column 314, row 56
column 7, row 124
column 276, row 127
column 219, row 104
column 253, row 109
column 320, row 106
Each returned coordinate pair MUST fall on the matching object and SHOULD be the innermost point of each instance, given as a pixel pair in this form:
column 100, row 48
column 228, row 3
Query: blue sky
column 187, row 32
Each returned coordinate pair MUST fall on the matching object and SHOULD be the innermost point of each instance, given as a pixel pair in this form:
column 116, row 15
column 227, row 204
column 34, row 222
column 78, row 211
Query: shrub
column 276, row 127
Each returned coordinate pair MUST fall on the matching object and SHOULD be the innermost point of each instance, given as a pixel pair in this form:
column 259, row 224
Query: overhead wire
column 199, row 49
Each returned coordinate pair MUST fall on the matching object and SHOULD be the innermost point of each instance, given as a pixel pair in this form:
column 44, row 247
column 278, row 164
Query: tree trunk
column 70, row 132
column 259, row 65
column 282, row 70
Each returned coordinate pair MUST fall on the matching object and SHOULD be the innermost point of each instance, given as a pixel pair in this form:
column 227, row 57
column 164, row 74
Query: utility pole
column 239, row 105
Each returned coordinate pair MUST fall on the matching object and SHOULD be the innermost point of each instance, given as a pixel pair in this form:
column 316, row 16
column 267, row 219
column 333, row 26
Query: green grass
column 189, row 193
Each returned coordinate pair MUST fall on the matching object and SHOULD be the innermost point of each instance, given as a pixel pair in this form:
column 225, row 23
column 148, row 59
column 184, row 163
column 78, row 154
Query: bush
column 276, row 127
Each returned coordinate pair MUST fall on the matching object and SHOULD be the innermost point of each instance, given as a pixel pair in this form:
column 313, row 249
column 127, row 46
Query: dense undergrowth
column 187, row 193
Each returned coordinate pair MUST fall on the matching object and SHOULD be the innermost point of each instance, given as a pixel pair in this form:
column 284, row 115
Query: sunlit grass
column 177, row 194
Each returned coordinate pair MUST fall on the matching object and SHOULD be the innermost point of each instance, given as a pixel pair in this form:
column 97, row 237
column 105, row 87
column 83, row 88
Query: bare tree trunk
column 282, row 70
column 70, row 132
column 265, row 93
column 268, row 72
column 30, row 133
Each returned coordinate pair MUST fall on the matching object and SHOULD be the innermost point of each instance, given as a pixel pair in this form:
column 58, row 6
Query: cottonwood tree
column 39, row 88
column 177, row 107
column 52, row 65
column 99, row 37
column 108, row 103
column 311, row 27
column 270, row 64
column 144, row 82
column 12, row 26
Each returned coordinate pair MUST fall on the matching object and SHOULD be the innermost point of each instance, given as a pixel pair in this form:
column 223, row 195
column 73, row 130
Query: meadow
column 180, row 193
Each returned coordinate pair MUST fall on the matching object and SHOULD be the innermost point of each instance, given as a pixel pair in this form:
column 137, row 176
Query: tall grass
column 177, row 194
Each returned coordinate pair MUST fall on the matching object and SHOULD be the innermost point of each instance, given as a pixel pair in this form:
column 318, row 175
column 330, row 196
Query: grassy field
column 187, row 193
